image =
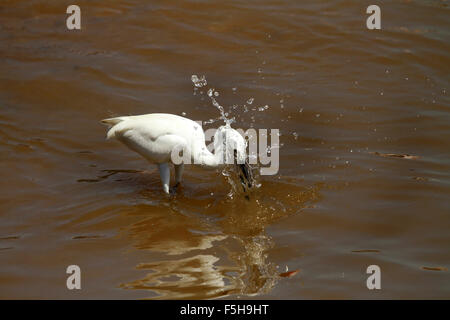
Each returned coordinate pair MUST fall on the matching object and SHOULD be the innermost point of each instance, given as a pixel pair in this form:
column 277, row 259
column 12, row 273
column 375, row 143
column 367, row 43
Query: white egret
column 161, row 138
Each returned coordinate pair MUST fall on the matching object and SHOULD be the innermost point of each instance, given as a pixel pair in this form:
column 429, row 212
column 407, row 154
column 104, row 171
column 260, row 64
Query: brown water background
column 341, row 95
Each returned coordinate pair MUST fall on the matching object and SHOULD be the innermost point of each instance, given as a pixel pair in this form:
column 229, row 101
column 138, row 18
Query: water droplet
column 199, row 82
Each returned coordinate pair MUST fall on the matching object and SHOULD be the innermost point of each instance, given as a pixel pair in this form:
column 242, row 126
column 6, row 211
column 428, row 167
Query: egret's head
column 233, row 148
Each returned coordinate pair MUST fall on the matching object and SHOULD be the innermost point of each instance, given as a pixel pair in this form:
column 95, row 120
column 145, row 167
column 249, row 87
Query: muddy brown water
column 348, row 102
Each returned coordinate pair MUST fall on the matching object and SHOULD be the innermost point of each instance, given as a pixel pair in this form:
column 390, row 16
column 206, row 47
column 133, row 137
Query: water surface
column 346, row 101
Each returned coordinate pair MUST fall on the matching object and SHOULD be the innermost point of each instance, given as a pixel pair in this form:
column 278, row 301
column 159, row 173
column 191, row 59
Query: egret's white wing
column 154, row 136
column 154, row 125
column 155, row 149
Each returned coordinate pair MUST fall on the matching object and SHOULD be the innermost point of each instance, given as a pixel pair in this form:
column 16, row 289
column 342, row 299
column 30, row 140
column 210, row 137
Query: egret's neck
column 205, row 158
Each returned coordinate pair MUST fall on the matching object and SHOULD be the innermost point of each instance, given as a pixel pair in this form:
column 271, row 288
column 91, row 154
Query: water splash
column 230, row 172
column 199, row 82
column 213, row 94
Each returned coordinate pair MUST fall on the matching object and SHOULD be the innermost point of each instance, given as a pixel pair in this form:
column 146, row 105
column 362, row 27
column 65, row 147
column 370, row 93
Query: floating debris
column 10, row 238
column 434, row 268
column 396, row 155
column 86, row 237
column 289, row 274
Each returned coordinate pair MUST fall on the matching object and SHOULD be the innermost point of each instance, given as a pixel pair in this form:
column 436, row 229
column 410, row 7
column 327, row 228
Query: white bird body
column 155, row 137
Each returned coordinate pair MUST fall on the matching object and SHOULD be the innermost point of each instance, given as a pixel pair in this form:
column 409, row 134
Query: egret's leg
column 178, row 173
column 164, row 173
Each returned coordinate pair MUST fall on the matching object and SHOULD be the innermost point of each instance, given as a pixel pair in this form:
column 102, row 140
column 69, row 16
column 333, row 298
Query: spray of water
column 230, row 172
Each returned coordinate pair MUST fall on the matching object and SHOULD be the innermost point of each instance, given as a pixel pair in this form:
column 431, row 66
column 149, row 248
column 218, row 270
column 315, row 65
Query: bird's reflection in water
column 220, row 250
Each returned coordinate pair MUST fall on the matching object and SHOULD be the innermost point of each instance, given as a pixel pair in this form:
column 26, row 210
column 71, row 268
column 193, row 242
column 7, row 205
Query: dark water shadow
column 209, row 247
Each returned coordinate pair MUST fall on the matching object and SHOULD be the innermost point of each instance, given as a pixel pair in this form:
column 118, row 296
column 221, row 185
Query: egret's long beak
column 246, row 175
